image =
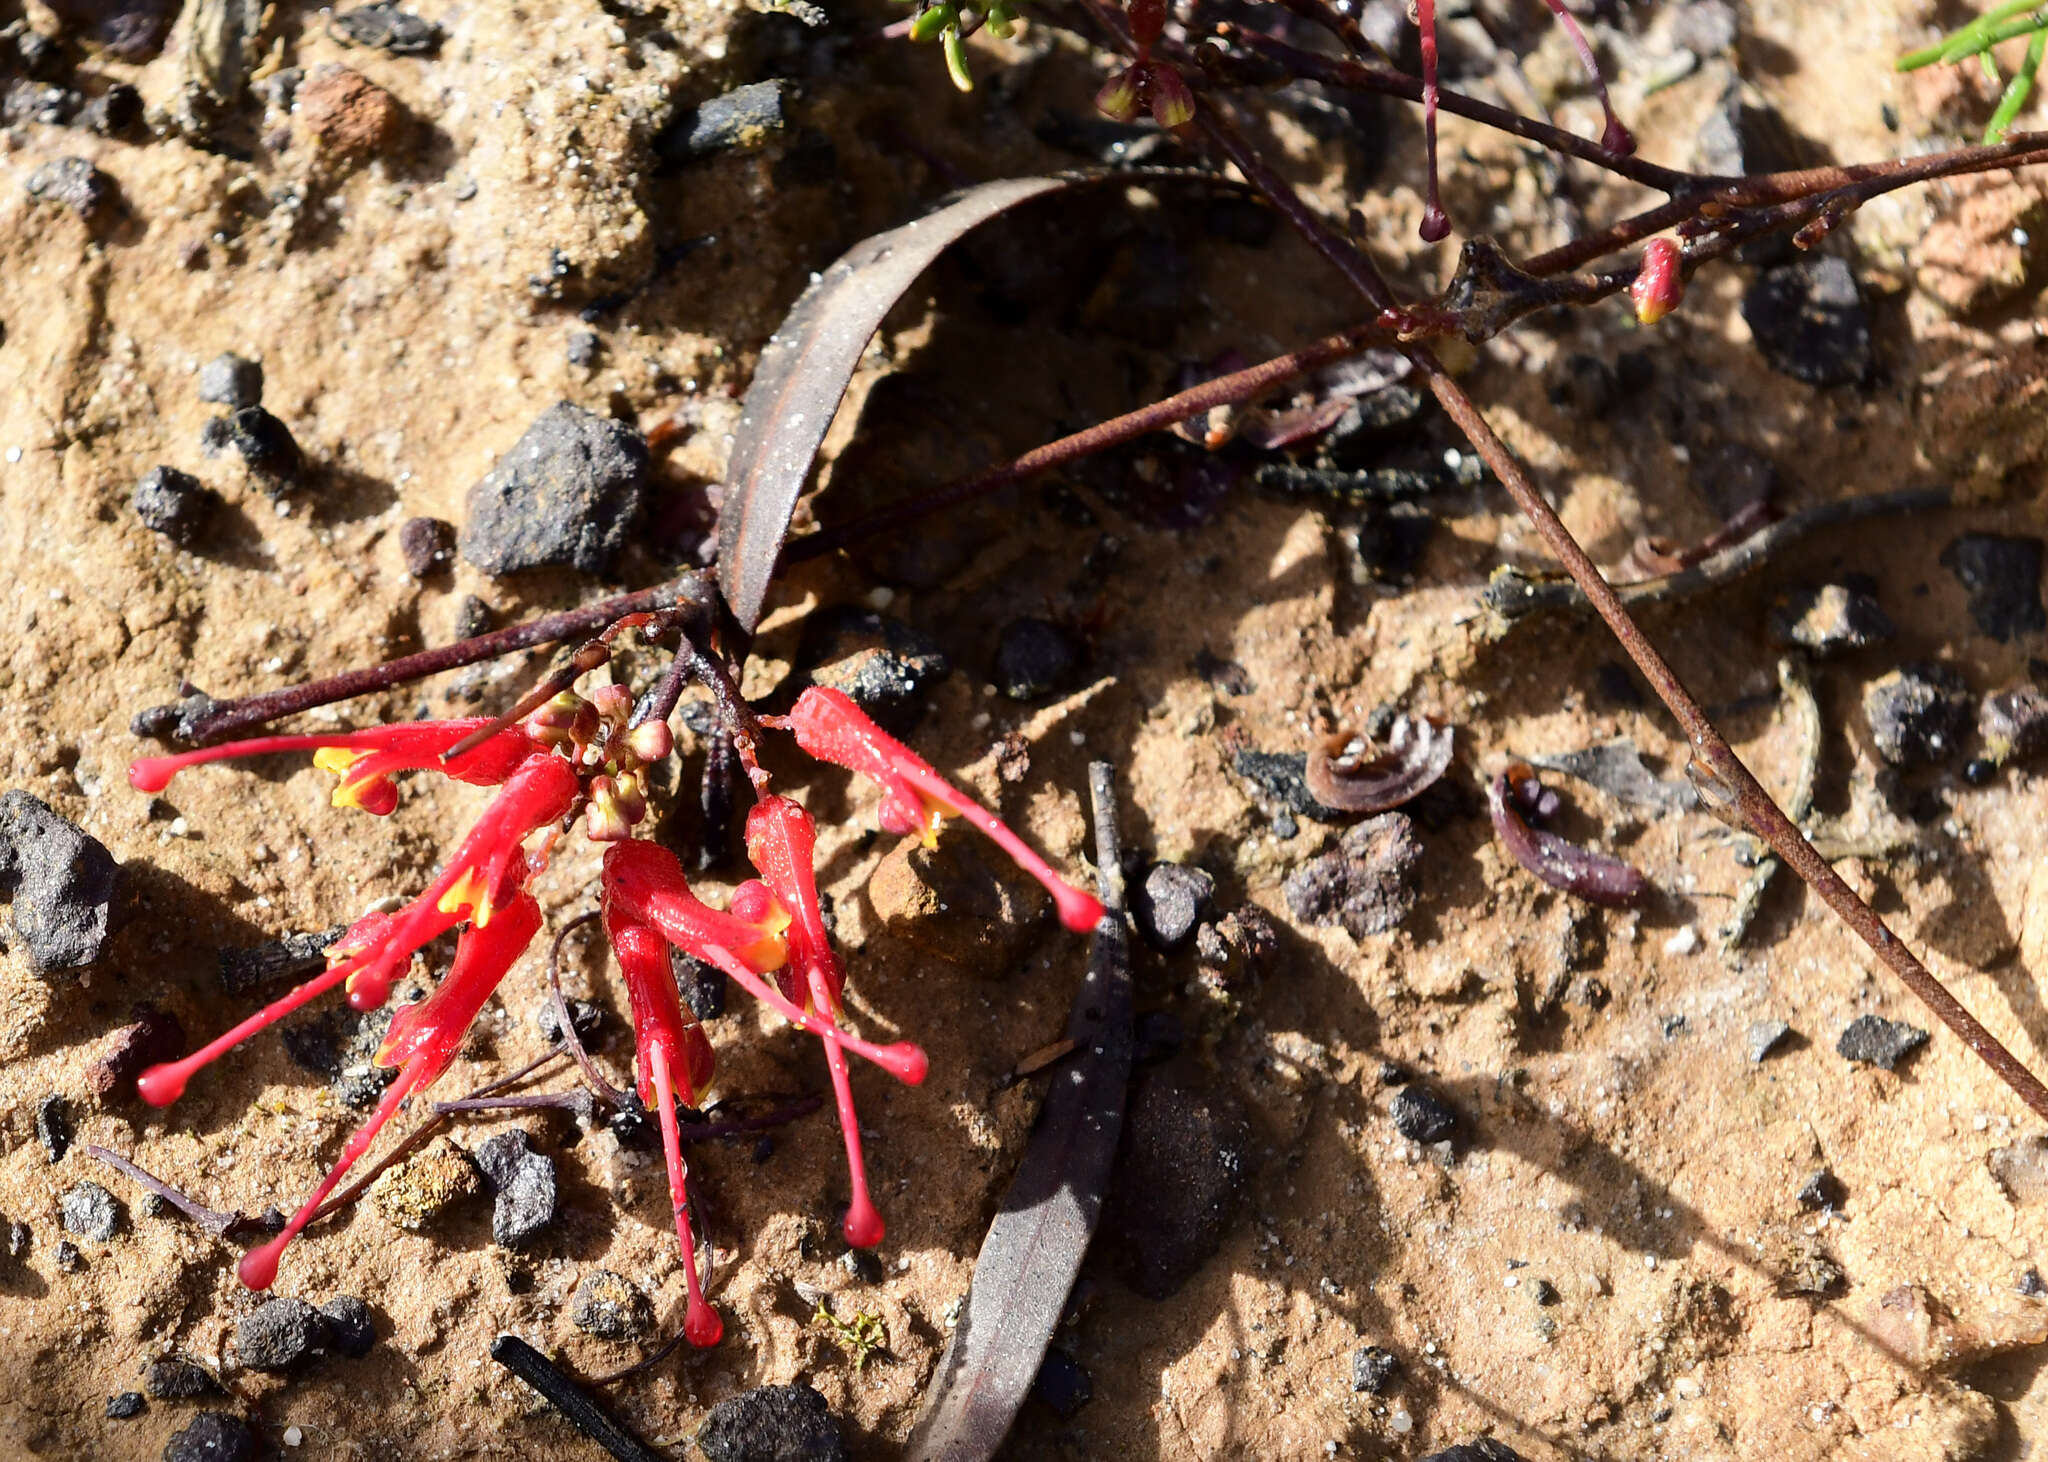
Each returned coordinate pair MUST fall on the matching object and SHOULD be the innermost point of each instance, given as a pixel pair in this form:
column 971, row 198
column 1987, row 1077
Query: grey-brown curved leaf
column 805, row 368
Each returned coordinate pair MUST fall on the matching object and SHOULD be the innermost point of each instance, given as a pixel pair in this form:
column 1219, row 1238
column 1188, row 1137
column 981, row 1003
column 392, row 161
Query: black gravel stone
column 53, row 1126
column 1420, row 1115
column 63, row 884
column 1279, row 784
column 1181, row 1168
column 2003, row 576
column 115, row 112
column 387, row 28
column 427, row 545
column 886, row 667
column 213, row 1436
column 40, row 57
column 1831, row 620
column 178, row 1380
column 583, row 348
column 1917, row 714
column 19, row 1239
column 231, row 380
column 611, row 1307
column 701, row 984
column 39, row 102
column 350, row 1328
column 280, row 1334
column 739, row 121
column 173, row 503
column 772, row 1424
column 1822, row 1189
column 1486, row 1449
column 129, row 30
column 68, row 1258
column 585, row 1019
column 1809, row 320
column 1875, row 1041
column 1368, row 883
column 524, row 1182
column 1373, row 1369
column 91, row 1212
column 1034, row 657
column 568, row 495
column 261, row 440
column 1063, row 1385
column 2031, row 1285
column 1173, row 899
column 863, row 1266
column 126, row 1406
column 73, row 183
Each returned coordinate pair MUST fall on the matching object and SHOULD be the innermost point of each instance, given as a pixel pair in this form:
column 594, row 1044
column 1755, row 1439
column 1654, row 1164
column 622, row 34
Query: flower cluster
column 575, row 754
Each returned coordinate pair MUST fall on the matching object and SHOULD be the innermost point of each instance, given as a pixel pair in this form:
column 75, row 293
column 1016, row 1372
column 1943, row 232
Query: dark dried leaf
column 1352, row 774
column 1035, row 1246
column 1598, row 878
column 805, row 368
column 1617, row 769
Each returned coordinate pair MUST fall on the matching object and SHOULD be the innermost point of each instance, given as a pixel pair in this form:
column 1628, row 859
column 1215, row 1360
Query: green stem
column 1963, row 42
column 2018, row 89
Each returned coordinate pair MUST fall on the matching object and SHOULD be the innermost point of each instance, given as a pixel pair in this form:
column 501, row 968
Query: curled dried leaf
column 1353, row 774
column 1598, row 878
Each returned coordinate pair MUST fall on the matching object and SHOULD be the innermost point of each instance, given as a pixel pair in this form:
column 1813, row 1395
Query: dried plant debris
column 2013, row 723
column 1368, row 883
column 1618, row 769
column 1798, row 804
column 1353, row 774
column 1513, row 798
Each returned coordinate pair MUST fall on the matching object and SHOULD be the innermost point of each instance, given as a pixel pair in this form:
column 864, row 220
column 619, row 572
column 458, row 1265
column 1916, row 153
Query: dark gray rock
column 1486, row 1449
column 213, row 1436
column 1875, row 1041
column 884, row 665
column 280, row 1334
column 1237, row 948
column 1368, row 883
column 611, row 1307
column 1420, row 1115
column 63, row 884
column 91, row 1212
column 351, row 1330
column 178, row 1380
column 1279, row 784
column 1810, row 322
column 1373, row 1369
column 53, row 1126
column 524, row 1182
column 1831, row 620
column 129, row 30
column 1181, row 1168
column 772, row 1424
column 1764, row 1037
column 1171, row 902
column 583, row 348
column 740, row 121
column 1034, row 657
column 1917, row 714
column 231, row 380
column 20, row 1237
column 115, row 112
column 68, row 1258
column 40, row 102
column 585, row 1018
column 263, row 442
column 175, row 504
column 385, row 27
column 1705, row 27
column 1063, row 1385
column 2003, row 576
column 126, row 1406
column 567, row 495
column 74, row 183
column 1371, row 424
column 1822, row 1189
column 427, row 546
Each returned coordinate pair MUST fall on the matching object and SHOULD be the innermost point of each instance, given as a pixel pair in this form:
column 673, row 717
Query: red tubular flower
column 365, row 760
column 672, row 1056
column 487, row 870
column 645, row 884
column 915, row 798
column 1659, row 283
column 782, row 843
column 422, row 1041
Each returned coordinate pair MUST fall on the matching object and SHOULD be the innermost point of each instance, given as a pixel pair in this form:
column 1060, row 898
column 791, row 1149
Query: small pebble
column 2003, row 576
column 178, row 1380
column 1063, row 1385
column 153, row 1036
column 772, row 1424
column 2031, row 1285
column 2013, row 723
column 1034, row 657
column 351, row 1330
column 1831, row 620
column 262, row 441
column 63, row 883
column 611, row 1307
column 1368, row 883
column 384, row 26
column 524, row 1181
column 741, row 120
column 280, row 1334
column 585, row 1018
column 1420, row 1115
column 582, row 350
column 1875, row 1041
column 74, row 183
column 1765, row 1036
column 68, row 1258
column 1917, row 714
column 348, row 117
column 231, row 380
column 427, row 546
column 568, row 494
column 1684, row 942
column 126, row 1406
column 1171, row 902
column 173, row 503
column 91, row 1212
column 212, row 1436
column 1822, row 1189
column 53, row 1126
column 1809, row 321
column 1373, row 1369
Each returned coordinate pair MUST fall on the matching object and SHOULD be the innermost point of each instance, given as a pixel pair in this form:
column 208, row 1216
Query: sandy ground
column 1626, row 1161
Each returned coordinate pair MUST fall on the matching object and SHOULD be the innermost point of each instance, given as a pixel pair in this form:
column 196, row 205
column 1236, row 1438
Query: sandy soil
column 413, row 307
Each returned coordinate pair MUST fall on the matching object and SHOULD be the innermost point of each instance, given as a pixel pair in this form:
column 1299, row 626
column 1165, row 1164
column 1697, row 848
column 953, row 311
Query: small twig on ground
column 610, row 1095
column 211, row 1219
column 562, row 1393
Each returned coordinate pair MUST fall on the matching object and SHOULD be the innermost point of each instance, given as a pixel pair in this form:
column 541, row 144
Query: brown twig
column 610, row 1095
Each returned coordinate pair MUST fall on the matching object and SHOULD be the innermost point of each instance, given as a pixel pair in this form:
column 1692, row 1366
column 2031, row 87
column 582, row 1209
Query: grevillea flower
column 1659, row 284
column 422, row 1041
column 365, row 760
column 915, row 798
column 486, row 872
